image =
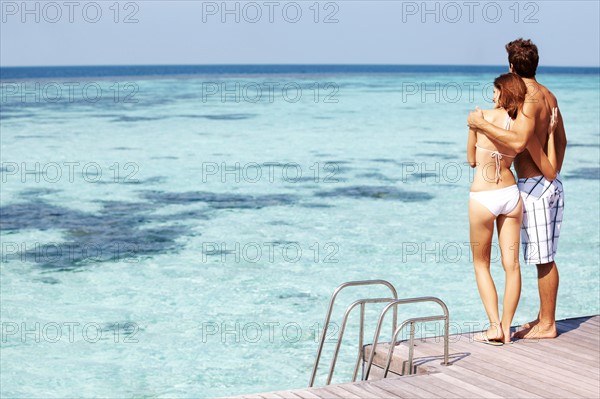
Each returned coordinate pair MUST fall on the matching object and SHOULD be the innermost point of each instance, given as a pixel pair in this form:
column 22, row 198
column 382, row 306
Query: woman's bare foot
column 494, row 333
column 506, row 338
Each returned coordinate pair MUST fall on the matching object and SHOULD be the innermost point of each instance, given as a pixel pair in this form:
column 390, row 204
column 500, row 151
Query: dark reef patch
column 120, row 231
column 438, row 142
column 221, row 117
column 220, row 201
column 589, row 145
column 437, row 156
column 315, row 205
column 375, row 176
column 585, row 174
column 138, row 118
column 376, row 192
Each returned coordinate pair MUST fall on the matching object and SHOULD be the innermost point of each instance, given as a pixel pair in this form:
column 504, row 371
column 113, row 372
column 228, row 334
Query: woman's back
column 493, row 161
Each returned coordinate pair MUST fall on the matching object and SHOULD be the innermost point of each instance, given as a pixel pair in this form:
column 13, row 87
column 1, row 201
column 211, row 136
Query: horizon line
column 285, row 64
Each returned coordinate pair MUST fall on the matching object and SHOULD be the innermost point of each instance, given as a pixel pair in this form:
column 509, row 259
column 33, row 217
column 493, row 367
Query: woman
column 494, row 197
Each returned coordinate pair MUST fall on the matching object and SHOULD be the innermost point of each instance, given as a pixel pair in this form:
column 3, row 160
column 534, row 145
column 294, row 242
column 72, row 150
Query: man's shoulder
column 547, row 93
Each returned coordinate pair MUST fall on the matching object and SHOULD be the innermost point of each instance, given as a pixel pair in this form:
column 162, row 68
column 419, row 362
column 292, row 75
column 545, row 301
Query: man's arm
column 522, row 130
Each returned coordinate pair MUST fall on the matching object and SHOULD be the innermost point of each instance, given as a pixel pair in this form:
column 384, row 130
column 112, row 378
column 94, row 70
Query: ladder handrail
column 349, row 309
column 445, row 317
column 411, row 341
column 330, row 309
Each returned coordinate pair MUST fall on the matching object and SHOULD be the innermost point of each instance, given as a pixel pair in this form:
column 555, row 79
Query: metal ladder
column 445, row 317
column 393, row 304
column 362, row 303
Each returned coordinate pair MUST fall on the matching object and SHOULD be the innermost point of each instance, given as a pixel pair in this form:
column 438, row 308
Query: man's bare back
column 538, row 106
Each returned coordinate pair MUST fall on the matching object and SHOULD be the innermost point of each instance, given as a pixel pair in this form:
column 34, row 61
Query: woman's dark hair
column 523, row 55
column 512, row 93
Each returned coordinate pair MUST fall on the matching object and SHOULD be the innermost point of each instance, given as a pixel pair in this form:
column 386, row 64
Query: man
column 543, row 200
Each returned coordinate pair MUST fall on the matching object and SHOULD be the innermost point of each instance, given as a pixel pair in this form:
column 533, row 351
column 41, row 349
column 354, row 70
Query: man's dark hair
column 523, row 55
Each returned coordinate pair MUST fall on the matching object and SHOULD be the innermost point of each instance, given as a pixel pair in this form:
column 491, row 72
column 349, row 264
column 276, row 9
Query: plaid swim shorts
column 543, row 205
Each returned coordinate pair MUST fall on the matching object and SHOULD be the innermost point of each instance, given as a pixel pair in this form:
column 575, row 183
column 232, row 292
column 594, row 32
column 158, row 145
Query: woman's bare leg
column 481, row 222
column 509, row 230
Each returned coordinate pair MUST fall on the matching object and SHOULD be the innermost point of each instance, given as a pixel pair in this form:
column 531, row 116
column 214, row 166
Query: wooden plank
column 400, row 388
column 588, row 323
column 570, row 344
column 533, row 386
column 456, row 390
column 398, row 359
column 338, row 391
column 507, row 390
column 436, row 387
column 591, row 323
column 367, row 390
column 510, row 376
column 585, row 328
column 293, row 395
column 491, row 373
column 321, row 393
column 475, row 389
column 376, row 373
column 309, row 393
column 382, row 389
column 577, row 338
column 270, row 395
column 579, row 332
column 570, row 362
column 520, row 381
column 530, row 369
column 591, row 320
column 581, row 338
column 562, row 346
column 544, row 367
column 562, row 351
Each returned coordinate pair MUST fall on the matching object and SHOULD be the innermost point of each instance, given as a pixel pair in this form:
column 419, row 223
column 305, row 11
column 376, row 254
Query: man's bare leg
column 545, row 325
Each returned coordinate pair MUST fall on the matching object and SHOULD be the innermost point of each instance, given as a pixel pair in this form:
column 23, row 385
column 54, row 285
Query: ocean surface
column 176, row 231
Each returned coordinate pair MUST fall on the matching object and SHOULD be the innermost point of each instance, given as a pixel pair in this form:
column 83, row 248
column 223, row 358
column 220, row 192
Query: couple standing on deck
column 526, row 126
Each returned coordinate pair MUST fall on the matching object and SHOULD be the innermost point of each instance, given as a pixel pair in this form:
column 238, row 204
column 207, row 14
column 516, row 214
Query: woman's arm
column 540, row 159
column 560, row 140
column 551, row 129
column 546, row 163
column 471, row 147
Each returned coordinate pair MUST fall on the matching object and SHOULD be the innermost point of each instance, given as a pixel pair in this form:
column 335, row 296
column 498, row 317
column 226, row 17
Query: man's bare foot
column 530, row 324
column 538, row 331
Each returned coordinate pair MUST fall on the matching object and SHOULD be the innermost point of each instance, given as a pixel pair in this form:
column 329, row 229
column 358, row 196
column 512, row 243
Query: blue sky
column 357, row 32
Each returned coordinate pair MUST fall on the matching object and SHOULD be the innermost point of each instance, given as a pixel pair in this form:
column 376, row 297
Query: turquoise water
column 174, row 243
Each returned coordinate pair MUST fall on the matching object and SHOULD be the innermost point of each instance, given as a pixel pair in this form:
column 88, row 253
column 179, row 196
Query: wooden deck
column 565, row 367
